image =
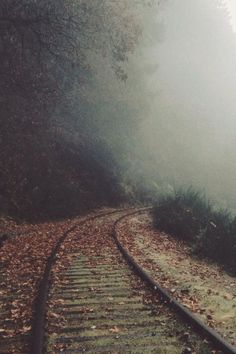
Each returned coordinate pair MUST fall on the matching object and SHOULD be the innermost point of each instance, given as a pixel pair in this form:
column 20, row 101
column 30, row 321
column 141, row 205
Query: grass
column 213, row 289
column 188, row 215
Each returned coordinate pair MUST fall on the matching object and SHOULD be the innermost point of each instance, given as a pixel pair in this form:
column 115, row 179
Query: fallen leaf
column 115, row 329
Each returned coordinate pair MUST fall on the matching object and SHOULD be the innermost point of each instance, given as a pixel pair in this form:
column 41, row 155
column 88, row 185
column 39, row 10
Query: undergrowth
column 188, row 215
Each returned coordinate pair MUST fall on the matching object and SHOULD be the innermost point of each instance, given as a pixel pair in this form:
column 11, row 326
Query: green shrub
column 188, row 215
column 183, row 213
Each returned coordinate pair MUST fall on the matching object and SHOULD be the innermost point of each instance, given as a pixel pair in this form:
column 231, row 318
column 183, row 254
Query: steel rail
column 38, row 327
column 192, row 319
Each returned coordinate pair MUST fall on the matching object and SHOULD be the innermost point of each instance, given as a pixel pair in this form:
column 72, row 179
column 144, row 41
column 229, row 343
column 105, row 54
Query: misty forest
column 118, row 176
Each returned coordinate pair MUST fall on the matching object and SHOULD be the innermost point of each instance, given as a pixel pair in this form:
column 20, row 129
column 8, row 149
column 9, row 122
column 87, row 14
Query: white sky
column 232, row 9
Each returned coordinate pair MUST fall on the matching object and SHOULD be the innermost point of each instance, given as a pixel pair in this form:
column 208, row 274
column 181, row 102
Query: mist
column 140, row 99
column 117, row 143
column 169, row 120
column 184, row 75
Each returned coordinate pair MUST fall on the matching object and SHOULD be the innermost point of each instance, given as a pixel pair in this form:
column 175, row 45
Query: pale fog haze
column 231, row 6
column 187, row 71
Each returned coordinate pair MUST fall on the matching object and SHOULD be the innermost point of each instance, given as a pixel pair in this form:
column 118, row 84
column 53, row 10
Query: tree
column 45, row 45
column 46, row 49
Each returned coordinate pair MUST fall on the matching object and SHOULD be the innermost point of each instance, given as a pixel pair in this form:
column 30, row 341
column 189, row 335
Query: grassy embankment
column 188, row 215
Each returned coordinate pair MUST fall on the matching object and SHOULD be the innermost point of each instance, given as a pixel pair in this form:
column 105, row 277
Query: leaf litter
column 203, row 287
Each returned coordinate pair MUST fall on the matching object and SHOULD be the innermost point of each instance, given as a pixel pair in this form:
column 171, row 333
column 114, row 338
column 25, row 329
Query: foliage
column 188, row 215
column 48, row 50
column 49, row 178
column 45, row 46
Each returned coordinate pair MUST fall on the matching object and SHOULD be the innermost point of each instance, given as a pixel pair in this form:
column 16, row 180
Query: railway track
column 99, row 305
column 15, row 333
column 96, row 303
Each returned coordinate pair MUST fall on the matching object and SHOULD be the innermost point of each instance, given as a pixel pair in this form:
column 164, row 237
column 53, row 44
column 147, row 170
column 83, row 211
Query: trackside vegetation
column 188, row 215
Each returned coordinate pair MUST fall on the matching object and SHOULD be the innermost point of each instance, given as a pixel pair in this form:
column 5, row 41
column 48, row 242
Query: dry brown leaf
column 115, row 329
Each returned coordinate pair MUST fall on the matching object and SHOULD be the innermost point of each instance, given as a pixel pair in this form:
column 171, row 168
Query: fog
column 143, row 92
column 185, row 69
column 172, row 120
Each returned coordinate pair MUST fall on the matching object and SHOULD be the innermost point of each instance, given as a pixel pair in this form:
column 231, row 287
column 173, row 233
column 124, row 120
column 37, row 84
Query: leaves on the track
column 115, row 329
column 23, row 258
column 203, row 288
column 93, row 246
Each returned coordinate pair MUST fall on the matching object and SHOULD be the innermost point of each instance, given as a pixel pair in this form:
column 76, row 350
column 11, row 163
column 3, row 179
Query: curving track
column 38, row 331
column 99, row 305
column 97, row 302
